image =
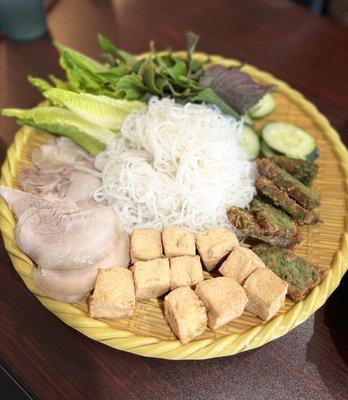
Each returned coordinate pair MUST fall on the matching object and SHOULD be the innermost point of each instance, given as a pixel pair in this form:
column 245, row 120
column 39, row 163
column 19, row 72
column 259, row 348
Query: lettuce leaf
column 100, row 110
column 64, row 122
column 82, row 72
column 39, row 83
column 58, row 83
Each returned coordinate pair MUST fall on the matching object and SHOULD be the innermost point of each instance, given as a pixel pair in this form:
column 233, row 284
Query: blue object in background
column 316, row 6
column 23, row 20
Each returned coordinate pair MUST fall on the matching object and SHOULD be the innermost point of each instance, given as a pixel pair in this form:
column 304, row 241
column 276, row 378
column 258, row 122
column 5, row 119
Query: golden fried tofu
column 151, row 278
column 266, row 293
column 185, row 271
column 146, row 244
column 178, row 242
column 113, row 295
column 185, row 313
column 214, row 244
column 223, row 298
column 240, row 264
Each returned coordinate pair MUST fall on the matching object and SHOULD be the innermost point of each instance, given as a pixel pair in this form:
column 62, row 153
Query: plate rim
column 201, row 348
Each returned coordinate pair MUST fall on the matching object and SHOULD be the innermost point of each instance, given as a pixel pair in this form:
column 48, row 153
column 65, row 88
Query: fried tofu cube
column 214, row 244
column 146, row 244
column 151, row 278
column 266, row 293
column 185, row 314
column 178, row 242
column 240, row 264
column 185, row 271
column 114, row 295
column 223, row 298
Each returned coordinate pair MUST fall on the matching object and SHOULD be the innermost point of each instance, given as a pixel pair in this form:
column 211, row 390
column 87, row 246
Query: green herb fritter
column 303, row 170
column 265, row 223
column 301, row 275
column 304, row 195
column 281, row 199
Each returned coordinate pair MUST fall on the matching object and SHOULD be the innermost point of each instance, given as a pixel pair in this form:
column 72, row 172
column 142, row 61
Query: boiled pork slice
column 20, row 201
column 41, row 183
column 62, row 170
column 65, row 184
column 69, row 243
column 60, row 151
column 81, row 188
column 74, row 285
column 68, row 238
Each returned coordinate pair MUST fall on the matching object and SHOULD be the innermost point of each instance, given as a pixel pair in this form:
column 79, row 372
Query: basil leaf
column 130, row 87
column 192, row 41
column 110, row 48
column 136, row 67
column 161, row 82
column 148, row 74
column 179, row 69
column 112, row 75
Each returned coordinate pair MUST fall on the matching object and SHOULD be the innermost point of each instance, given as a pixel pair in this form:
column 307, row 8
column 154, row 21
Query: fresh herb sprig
column 124, row 76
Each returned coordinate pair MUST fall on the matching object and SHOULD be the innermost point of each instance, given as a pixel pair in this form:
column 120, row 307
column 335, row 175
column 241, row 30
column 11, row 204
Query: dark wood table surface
column 52, row 361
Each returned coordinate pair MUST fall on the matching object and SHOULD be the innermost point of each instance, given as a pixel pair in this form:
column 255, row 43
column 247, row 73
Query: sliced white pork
column 64, row 183
column 68, row 238
column 41, row 183
column 74, row 285
column 60, row 226
column 81, row 188
column 61, row 170
column 20, row 201
column 61, row 150
column 68, row 243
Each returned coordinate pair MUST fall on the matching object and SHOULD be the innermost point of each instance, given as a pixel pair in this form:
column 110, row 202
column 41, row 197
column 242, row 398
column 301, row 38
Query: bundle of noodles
column 176, row 164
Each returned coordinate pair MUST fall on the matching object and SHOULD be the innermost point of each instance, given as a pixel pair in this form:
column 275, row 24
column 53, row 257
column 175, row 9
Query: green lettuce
column 60, row 121
column 100, row 110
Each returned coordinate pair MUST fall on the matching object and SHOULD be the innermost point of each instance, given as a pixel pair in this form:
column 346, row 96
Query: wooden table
column 53, row 361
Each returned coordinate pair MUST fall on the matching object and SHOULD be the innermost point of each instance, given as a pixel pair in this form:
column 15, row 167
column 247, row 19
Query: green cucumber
column 248, row 120
column 266, row 150
column 264, row 107
column 313, row 155
column 250, row 142
column 290, row 140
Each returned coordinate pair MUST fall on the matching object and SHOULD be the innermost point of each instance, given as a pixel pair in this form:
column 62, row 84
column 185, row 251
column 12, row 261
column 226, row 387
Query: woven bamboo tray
column 147, row 333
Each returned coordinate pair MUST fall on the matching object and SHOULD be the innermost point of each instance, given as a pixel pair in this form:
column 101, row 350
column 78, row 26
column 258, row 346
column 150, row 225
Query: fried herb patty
column 301, row 275
column 281, row 199
column 303, row 170
column 305, row 196
column 265, row 223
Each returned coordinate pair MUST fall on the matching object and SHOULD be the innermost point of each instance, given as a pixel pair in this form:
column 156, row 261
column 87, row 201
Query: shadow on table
column 336, row 318
column 328, row 347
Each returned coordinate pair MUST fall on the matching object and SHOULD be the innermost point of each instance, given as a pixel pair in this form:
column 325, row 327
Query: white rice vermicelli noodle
column 176, row 165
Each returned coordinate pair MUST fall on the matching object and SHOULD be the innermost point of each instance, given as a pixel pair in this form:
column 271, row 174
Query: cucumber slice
column 266, row 150
column 314, row 155
column 248, row 120
column 250, row 142
column 290, row 140
column 264, row 107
